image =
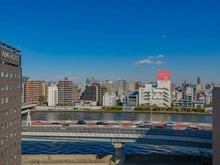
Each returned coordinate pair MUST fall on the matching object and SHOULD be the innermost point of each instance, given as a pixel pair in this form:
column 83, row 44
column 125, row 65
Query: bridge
column 26, row 108
column 119, row 134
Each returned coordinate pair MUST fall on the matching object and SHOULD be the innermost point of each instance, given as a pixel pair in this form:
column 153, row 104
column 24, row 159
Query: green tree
column 41, row 99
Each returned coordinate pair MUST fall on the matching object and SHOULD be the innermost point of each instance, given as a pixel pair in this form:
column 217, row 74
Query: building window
column 15, row 133
column 6, row 100
column 15, row 156
column 11, row 110
column 6, row 87
column 2, row 73
column 11, row 98
column 15, row 86
column 6, row 151
column 6, row 74
column 15, row 110
column 19, row 86
column 14, row 144
column 2, row 87
column 11, row 147
column 2, row 154
column 19, row 76
column 2, row 127
column 2, row 100
column 11, row 75
column 6, row 138
column 15, row 121
column 15, row 75
column 6, row 125
column 11, row 123
column 6, row 113
column 2, row 114
column 11, row 87
column 14, row 98
column 2, row 141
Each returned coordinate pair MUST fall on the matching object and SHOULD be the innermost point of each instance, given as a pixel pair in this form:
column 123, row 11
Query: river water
column 29, row 147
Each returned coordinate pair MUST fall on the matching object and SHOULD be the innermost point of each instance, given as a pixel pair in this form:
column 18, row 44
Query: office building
column 87, row 81
column 93, row 80
column 157, row 94
column 52, row 95
column 131, row 98
column 10, row 106
column 187, row 98
column 44, row 90
column 198, row 80
column 32, row 91
column 216, row 128
column 119, row 85
column 66, row 93
column 109, row 99
column 95, row 92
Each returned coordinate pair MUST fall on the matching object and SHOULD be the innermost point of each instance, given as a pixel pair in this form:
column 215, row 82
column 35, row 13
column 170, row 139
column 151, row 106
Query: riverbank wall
column 97, row 109
column 109, row 160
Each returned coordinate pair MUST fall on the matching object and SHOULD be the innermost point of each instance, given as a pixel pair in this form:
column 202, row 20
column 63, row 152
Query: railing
column 112, row 132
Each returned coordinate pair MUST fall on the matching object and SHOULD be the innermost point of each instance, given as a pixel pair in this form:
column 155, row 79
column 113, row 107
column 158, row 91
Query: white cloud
column 146, row 61
column 164, row 36
column 159, row 62
column 150, row 60
column 160, row 56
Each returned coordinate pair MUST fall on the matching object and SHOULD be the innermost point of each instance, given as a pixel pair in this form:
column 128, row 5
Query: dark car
column 101, row 123
column 65, row 124
column 81, row 122
column 55, row 123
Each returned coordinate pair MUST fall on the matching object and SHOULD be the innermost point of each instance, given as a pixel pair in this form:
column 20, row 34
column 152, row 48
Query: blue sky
column 115, row 39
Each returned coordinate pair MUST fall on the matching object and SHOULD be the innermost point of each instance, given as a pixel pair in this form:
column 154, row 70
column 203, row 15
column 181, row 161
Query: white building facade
column 109, row 99
column 160, row 95
column 52, row 96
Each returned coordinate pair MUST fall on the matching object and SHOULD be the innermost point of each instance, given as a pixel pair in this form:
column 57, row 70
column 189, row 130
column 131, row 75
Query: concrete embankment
column 97, row 109
column 108, row 160
column 67, row 159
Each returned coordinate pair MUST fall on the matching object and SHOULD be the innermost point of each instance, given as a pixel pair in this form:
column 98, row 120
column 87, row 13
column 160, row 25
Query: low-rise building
column 109, row 99
column 155, row 95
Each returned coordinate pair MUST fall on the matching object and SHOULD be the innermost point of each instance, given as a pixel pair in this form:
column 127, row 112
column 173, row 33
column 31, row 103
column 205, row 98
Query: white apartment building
column 52, row 96
column 109, row 99
column 159, row 95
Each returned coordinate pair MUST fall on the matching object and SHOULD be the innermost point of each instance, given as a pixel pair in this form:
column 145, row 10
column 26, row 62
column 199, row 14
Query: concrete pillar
column 119, row 155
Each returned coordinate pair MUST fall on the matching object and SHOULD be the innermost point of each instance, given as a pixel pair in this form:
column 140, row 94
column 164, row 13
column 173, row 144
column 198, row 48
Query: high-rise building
column 198, row 80
column 216, row 128
column 44, row 90
column 95, row 92
column 119, row 85
column 52, row 95
column 32, row 91
column 10, row 106
column 66, row 92
column 93, row 80
column 87, row 81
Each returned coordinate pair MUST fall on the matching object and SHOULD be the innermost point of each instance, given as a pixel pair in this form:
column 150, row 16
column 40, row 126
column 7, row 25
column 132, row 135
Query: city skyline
column 115, row 40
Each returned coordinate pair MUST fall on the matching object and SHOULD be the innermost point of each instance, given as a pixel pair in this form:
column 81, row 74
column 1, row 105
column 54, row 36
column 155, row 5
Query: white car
column 147, row 123
column 170, row 124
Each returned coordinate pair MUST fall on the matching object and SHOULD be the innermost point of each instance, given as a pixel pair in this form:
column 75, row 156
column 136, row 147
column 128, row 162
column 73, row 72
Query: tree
column 41, row 99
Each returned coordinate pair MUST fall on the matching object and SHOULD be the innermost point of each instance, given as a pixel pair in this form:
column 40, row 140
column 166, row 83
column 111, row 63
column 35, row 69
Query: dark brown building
column 67, row 92
column 10, row 105
column 216, row 124
column 94, row 93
